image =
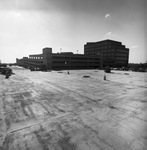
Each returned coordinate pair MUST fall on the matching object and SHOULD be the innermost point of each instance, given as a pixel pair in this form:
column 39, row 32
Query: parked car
column 6, row 71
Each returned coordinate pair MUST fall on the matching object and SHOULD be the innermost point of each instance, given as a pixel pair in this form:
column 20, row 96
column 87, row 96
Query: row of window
column 27, row 62
column 122, row 50
column 119, row 52
column 96, row 54
column 96, row 51
column 104, row 47
column 121, row 58
column 35, row 57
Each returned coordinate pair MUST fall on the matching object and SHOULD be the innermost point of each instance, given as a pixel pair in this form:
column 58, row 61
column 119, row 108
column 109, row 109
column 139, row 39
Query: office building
column 113, row 53
column 57, row 61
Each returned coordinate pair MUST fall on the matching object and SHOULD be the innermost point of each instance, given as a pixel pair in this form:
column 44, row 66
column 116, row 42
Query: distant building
column 114, row 54
column 57, row 61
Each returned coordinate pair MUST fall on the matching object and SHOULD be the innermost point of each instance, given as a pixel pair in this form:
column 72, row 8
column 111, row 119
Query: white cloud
column 108, row 33
column 111, row 34
column 107, row 15
column 135, row 46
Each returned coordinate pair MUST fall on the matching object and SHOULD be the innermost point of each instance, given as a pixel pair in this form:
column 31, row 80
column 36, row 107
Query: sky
column 28, row 26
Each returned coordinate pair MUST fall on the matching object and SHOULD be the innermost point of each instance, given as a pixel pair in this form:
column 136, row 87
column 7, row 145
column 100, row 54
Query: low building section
column 57, row 61
column 113, row 52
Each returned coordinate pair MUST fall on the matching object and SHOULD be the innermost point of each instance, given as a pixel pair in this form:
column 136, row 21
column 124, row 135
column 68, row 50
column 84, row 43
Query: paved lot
column 57, row 111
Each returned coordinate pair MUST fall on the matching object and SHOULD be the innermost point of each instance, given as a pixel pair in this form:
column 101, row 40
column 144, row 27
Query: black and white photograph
column 73, row 75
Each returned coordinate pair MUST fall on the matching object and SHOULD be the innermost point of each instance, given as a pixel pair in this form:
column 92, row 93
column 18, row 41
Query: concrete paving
column 57, row 111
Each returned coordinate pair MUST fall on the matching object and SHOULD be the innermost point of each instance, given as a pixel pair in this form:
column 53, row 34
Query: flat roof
column 104, row 41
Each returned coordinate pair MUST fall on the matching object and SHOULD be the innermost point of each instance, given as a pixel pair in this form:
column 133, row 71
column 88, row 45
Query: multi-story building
column 114, row 54
column 56, row 61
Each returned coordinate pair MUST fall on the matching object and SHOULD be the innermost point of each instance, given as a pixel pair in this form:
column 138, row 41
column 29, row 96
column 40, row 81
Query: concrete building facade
column 57, row 61
column 114, row 54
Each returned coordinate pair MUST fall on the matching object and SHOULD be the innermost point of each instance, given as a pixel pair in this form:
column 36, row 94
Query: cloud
column 107, row 15
column 108, row 33
column 135, row 46
column 111, row 34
